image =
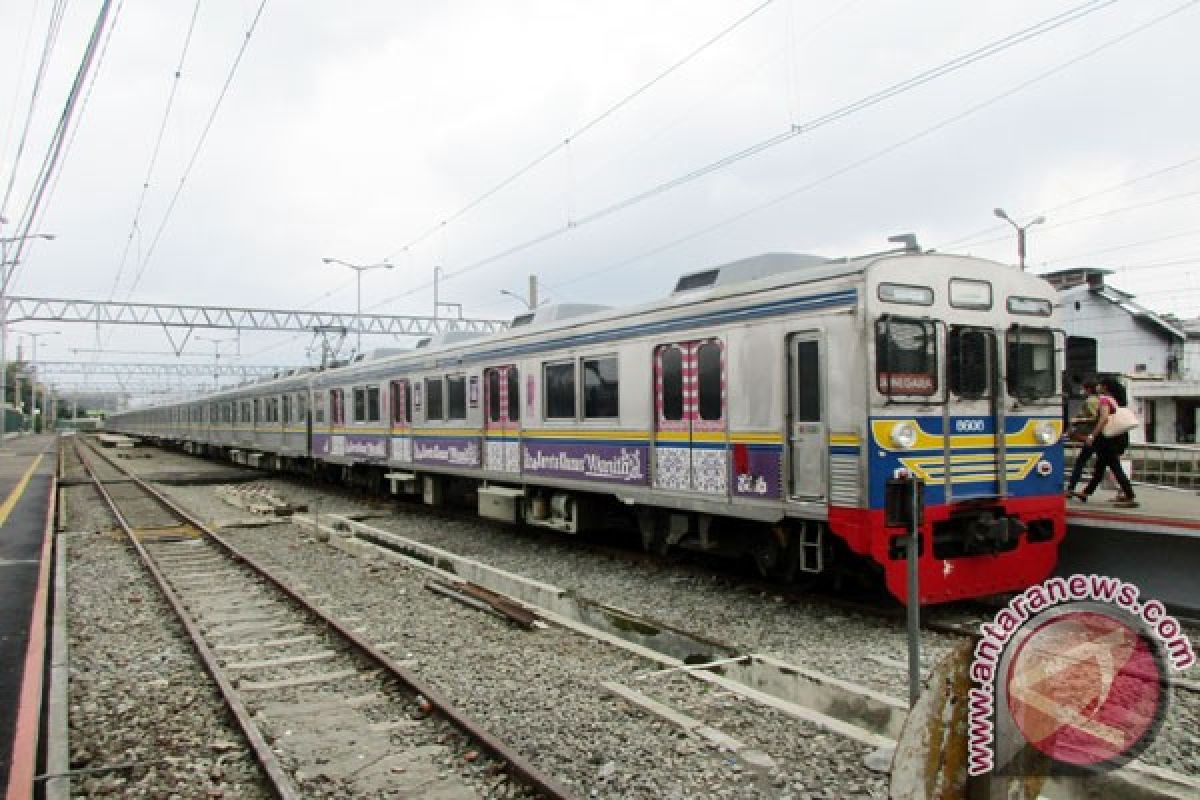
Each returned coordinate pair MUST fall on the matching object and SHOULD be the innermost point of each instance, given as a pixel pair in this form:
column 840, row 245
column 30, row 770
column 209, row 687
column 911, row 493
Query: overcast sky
column 353, row 130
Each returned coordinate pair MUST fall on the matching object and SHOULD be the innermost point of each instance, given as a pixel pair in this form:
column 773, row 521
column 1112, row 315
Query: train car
column 759, row 410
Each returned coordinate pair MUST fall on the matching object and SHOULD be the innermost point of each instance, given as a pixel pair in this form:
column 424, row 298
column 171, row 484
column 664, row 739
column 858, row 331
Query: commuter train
column 760, row 410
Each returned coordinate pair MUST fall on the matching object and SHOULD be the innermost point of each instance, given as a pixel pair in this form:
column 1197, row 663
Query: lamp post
column 33, row 385
column 999, row 212
column 216, row 343
column 359, row 269
column 5, row 274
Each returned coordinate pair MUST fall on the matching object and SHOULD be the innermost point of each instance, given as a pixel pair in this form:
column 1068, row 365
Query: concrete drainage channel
column 841, row 707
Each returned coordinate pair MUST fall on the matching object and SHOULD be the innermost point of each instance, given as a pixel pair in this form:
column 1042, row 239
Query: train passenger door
column 401, row 434
column 690, row 437
column 501, row 419
column 807, row 426
column 975, row 439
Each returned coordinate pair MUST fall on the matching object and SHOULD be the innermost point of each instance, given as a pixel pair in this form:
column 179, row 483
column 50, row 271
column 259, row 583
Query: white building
column 1108, row 333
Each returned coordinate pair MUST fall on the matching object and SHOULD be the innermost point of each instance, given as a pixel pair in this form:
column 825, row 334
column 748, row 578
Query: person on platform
column 1109, row 448
column 1082, row 426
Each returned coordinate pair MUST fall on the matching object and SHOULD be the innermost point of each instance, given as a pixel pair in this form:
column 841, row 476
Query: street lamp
column 5, row 274
column 36, row 336
column 216, row 343
column 517, row 297
column 999, row 212
column 359, row 269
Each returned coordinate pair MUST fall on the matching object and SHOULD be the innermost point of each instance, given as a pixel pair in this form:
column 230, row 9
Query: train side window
column 514, row 395
column 600, row 388
column 456, row 397
column 433, row 399
column 301, row 407
column 287, row 409
column 319, row 407
column 399, row 404
column 337, row 407
column 257, row 417
column 373, row 404
column 493, row 395
column 559, row 380
column 708, row 369
column 408, row 402
column 671, row 361
column 970, row 357
column 906, row 357
column 360, row 405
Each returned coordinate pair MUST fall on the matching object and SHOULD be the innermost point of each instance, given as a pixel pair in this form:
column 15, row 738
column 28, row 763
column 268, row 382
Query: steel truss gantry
column 189, row 318
column 48, row 368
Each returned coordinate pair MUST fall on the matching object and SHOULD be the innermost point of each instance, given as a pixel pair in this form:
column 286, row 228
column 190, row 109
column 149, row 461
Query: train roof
column 761, row 273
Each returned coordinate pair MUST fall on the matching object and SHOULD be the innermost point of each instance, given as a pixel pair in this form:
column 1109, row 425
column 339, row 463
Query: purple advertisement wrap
column 591, row 461
column 365, row 447
column 448, row 451
column 756, row 471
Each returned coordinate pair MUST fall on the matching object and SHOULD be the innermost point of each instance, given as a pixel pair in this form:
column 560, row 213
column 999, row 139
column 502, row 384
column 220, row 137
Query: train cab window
column 1030, row 363
column 559, row 380
column 708, row 375
column 433, row 399
column 600, row 388
column 456, row 397
column 906, row 357
column 671, row 367
column 514, row 395
column 971, row 358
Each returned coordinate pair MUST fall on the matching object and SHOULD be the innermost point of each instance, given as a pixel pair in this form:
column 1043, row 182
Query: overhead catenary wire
column 135, row 224
column 876, row 155
column 197, row 150
column 54, row 152
column 52, row 31
column 959, row 62
column 565, row 143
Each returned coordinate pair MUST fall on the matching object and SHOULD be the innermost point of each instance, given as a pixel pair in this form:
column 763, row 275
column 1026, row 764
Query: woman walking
column 1086, row 421
column 1109, row 448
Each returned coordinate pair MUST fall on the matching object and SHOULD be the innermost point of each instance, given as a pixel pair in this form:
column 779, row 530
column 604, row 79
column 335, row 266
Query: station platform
column 27, row 470
column 1155, row 546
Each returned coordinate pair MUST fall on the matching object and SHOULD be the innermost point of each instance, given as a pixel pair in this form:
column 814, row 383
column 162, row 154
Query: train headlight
column 1045, row 433
column 903, row 435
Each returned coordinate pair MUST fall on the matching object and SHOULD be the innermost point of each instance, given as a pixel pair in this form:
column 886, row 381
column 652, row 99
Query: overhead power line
column 196, row 152
column 953, row 65
column 624, row 101
column 135, row 225
column 878, row 154
column 54, row 152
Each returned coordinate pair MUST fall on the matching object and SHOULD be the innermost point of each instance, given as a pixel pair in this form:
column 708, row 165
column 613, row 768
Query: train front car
column 965, row 395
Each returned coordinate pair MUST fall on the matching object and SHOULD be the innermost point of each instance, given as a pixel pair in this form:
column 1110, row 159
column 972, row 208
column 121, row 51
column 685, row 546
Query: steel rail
column 262, row 751
column 516, row 764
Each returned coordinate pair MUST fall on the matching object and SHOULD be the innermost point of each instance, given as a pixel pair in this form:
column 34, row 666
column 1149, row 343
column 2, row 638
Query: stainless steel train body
column 761, row 408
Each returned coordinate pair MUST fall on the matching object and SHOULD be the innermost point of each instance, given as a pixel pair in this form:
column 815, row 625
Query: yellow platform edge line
column 15, row 495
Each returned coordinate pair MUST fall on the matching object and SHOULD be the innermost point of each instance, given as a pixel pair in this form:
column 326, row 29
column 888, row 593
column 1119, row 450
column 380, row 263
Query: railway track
column 322, row 709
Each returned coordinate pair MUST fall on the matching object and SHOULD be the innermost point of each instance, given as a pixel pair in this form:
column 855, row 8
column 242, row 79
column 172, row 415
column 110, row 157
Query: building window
column 600, row 385
column 559, row 380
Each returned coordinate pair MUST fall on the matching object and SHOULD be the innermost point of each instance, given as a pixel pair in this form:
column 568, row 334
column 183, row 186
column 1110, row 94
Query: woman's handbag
column 1123, row 420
